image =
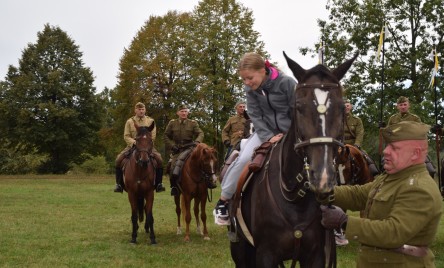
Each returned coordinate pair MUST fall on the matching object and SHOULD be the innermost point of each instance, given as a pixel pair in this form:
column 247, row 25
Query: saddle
column 371, row 164
column 176, row 167
column 234, row 154
column 259, row 155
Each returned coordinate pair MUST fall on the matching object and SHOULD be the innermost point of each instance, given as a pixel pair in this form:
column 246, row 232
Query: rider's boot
column 174, row 190
column 119, row 180
column 158, row 180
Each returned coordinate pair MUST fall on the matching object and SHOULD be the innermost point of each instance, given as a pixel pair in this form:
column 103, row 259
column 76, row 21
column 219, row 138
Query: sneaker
column 160, row 188
column 220, row 213
column 340, row 239
column 118, row 189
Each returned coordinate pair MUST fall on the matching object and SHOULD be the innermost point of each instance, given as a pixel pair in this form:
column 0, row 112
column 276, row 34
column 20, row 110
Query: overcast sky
column 103, row 28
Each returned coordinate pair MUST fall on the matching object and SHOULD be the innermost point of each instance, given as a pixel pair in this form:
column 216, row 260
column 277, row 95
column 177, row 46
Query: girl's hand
column 276, row 138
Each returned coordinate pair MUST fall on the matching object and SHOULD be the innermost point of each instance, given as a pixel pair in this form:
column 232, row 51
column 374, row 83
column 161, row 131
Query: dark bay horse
column 139, row 182
column 278, row 217
column 198, row 168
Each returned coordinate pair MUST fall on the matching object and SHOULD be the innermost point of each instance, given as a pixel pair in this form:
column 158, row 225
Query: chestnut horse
column 199, row 167
column 353, row 166
column 139, row 182
column 278, row 216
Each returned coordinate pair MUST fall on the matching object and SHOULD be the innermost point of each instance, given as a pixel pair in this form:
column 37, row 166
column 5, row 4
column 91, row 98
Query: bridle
column 303, row 178
column 138, row 154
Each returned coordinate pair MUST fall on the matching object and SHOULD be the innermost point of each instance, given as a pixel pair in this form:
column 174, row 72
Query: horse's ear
column 342, row 69
column 297, row 70
column 151, row 127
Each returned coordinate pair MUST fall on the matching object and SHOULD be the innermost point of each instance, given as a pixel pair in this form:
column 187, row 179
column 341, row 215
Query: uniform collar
column 407, row 172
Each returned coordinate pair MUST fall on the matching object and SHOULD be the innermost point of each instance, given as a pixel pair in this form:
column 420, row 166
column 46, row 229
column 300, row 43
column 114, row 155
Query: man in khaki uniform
column 353, row 127
column 129, row 136
column 233, row 130
column 403, row 205
column 403, row 106
column 180, row 132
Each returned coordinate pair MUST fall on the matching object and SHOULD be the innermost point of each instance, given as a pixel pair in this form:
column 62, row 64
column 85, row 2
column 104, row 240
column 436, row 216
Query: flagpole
column 438, row 131
column 381, row 122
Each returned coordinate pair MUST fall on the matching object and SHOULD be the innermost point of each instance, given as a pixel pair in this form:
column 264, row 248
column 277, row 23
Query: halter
column 321, row 109
column 303, row 178
column 139, row 161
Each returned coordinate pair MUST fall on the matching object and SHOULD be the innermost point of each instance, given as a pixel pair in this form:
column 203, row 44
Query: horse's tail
column 140, row 207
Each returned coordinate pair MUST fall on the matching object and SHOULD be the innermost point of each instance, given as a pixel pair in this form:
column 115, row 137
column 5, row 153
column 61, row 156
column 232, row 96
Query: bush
column 93, row 165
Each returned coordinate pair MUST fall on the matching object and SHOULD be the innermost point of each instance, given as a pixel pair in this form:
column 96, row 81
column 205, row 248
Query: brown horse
column 139, row 182
column 278, row 217
column 198, row 168
column 353, row 167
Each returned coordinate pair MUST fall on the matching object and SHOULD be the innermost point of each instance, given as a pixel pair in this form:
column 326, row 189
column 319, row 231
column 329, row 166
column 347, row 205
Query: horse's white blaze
column 341, row 168
column 213, row 173
column 321, row 98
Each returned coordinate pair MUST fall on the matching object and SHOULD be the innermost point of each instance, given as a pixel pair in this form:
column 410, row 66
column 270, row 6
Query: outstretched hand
column 333, row 217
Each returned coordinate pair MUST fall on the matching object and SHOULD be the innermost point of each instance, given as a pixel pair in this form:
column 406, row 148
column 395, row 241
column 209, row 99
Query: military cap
column 181, row 107
column 139, row 105
column 402, row 99
column 239, row 102
column 405, row 130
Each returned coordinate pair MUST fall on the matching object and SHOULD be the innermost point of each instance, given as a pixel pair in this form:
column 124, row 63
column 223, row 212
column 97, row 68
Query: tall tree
column 188, row 58
column 222, row 32
column 414, row 28
column 49, row 101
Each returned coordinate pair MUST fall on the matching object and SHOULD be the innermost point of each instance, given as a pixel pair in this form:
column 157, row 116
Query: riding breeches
column 233, row 173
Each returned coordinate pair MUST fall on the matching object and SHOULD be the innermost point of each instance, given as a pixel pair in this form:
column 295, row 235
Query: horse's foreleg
column 134, row 218
column 203, row 216
column 149, row 223
column 196, row 215
column 186, row 201
column 178, row 211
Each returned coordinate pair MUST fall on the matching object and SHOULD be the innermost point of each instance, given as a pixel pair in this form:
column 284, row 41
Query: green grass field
column 77, row 221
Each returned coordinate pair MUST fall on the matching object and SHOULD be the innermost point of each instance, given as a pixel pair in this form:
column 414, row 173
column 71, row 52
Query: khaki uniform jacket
column 130, row 131
column 180, row 132
column 401, row 209
column 396, row 118
column 353, row 130
column 233, row 130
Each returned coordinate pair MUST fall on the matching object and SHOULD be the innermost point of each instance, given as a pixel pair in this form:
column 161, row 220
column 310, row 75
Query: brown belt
column 415, row 251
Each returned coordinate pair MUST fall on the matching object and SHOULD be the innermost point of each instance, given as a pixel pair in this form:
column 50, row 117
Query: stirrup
column 211, row 185
column 174, row 191
column 118, row 189
column 160, row 188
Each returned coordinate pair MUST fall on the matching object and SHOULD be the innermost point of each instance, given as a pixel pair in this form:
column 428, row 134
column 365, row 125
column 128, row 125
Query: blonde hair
column 251, row 61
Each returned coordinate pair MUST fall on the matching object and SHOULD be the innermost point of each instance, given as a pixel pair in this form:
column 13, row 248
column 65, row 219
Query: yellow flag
column 320, row 53
column 381, row 40
column 435, row 69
